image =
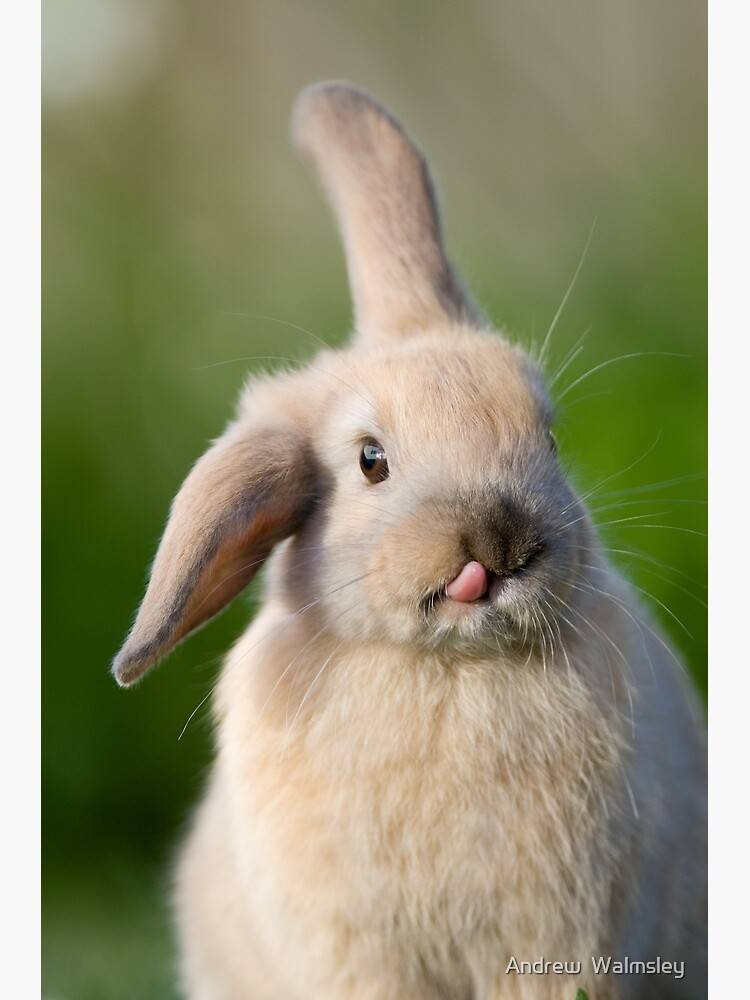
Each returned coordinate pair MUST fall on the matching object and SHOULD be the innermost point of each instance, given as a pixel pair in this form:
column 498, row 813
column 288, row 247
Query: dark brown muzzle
column 505, row 537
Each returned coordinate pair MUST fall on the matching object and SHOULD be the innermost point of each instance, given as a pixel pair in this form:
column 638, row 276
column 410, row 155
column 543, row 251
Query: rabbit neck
column 359, row 706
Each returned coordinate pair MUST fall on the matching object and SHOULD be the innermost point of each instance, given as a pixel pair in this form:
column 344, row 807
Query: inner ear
column 246, row 494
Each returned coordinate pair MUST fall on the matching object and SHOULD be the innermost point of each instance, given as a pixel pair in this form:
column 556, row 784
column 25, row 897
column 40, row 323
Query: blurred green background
column 182, row 233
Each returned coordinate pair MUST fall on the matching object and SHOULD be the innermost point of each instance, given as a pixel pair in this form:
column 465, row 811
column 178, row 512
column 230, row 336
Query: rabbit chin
column 507, row 615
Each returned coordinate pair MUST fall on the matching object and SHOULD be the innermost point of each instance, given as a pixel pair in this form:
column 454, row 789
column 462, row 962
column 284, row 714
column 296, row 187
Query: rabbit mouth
column 501, row 607
column 498, row 586
column 479, row 586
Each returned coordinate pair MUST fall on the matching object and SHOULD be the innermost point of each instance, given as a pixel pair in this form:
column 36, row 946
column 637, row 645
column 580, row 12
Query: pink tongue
column 470, row 584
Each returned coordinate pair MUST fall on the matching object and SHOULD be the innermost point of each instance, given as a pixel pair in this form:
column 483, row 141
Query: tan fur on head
column 411, row 790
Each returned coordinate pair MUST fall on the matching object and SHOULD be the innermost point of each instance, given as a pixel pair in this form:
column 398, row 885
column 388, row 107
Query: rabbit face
column 437, row 455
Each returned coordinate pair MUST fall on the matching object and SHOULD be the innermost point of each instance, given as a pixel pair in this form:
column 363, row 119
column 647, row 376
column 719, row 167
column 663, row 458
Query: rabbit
column 451, row 742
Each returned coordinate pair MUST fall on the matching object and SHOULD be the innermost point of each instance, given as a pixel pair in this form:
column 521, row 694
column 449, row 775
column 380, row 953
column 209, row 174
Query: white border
column 729, row 459
column 19, row 493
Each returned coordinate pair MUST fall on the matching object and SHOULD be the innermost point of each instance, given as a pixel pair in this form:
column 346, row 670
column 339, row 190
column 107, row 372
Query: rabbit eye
column 373, row 463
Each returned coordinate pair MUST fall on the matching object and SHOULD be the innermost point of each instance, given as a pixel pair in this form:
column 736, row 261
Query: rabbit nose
column 503, row 539
column 470, row 584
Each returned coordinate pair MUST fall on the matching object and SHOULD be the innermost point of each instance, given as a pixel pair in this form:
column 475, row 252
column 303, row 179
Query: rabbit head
column 409, row 482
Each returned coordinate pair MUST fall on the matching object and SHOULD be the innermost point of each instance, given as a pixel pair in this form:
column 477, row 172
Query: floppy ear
column 384, row 200
column 248, row 492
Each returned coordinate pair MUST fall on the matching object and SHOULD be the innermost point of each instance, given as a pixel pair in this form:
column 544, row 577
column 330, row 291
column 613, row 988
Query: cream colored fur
column 408, row 792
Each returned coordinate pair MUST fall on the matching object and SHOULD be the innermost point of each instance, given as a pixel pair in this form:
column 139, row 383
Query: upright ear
column 248, row 492
column 384, row 201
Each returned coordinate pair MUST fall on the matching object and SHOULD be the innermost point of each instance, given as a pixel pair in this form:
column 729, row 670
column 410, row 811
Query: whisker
column 582, row 399
column 190, row 718
column 614, row 475
column 669, row 527
column 612, row 361
column 659, row 576
column 636, row 619
column 636, row 554
column 288, row 323
column 291, row 663
column 300, row 612
column 570, row 357
column 548, row 336
column 663, row 484
column 604, row 524
column 314, row 682
column 247, row 357
column 652, row 597
column 636, row 503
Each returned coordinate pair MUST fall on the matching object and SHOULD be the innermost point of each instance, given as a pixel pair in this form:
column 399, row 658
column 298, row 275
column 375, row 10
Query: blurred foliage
column 181, row 237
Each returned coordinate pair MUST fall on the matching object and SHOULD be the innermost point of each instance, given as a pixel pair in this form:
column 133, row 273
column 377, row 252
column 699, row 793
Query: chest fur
column 452, row 801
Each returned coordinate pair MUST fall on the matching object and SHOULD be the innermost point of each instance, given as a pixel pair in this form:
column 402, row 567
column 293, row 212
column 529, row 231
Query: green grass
column 106, row 932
